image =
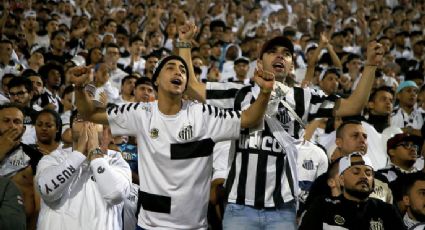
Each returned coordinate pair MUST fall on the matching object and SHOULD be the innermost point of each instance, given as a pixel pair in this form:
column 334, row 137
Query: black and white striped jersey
column 175, row 159
column 260, row 175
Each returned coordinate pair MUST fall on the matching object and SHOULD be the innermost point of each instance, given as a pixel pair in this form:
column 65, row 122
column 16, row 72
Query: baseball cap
column 396, row 139
column 406, row 84
column 30, row 13
column 277, row 41
column 333, row 70
column 347, row 161
column 241, row 59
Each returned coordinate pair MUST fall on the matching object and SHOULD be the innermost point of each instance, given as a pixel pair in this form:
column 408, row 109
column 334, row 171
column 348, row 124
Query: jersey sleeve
column 222, row 94
column 55, row 173
column 113, row 178
column 319, row 104
column 222, row 124
column 125, row 118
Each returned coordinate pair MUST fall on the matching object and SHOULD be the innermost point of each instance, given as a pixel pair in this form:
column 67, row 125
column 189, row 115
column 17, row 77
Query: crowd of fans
column 93, row 137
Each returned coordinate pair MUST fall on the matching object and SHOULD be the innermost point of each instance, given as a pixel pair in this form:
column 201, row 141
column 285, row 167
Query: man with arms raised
column 262, row 178
column 176, row 139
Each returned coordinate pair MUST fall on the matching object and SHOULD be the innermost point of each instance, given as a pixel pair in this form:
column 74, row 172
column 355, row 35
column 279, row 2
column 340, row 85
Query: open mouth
column 278, row 66
column 176, row 82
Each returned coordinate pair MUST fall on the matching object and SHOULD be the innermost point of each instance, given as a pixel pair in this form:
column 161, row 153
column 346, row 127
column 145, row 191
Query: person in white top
column 176, row 138
column 116, row 74
column 82, row 188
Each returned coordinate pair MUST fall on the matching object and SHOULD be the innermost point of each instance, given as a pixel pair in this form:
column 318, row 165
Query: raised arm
column 80, row 78
column 113, row 178
column 55, row 176
column 253, row 115
column 196, row 89
column 355, row 103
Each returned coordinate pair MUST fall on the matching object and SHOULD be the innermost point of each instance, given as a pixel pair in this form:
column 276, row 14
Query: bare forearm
column 335, row 59
column 83, row 103
column 253, row 115
column 354, row 104
column 195, row 89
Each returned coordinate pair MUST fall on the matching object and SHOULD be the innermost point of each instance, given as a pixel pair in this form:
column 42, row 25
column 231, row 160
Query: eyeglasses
column 408, row 146
column 19, row 94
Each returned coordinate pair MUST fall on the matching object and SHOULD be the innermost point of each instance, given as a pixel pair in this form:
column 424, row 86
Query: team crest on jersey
column 339, row 220
column 376, row 224
column 308, row 164
column 283, row 116
column 154, row 133
column 186, row 133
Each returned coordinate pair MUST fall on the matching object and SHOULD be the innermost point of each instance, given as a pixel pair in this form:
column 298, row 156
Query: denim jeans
column 242, row 217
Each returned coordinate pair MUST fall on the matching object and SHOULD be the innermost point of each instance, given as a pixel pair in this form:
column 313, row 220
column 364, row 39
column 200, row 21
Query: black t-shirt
column 346, row 214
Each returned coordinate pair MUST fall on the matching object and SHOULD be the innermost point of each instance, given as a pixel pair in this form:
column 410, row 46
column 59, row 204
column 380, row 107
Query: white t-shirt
column 78, row 194
column 175, row 163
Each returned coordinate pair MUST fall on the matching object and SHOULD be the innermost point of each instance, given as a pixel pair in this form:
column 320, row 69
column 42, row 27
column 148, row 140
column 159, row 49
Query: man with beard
column 351, row 137
column 17, row 160
column 20, row 93
column 143, row 90
column 58, row 48
column 263, row 180
column 403, row 152
column 353, row 209
column 414, row 200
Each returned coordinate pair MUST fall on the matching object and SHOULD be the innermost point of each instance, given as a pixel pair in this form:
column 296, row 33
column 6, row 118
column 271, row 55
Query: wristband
column 266, row 90
column 183, row 45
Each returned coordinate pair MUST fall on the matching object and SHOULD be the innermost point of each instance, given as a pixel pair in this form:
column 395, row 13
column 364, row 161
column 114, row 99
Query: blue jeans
column 242, row 217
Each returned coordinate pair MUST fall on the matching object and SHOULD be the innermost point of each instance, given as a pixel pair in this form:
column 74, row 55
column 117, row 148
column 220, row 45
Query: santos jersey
column 175, row 159
column 260, row 173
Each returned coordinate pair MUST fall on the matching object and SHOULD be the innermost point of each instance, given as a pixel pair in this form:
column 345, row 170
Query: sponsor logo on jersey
column 376, row 224
column 186, row 133
column 339, row 220
column 100, row 169
column 308, row 164
column 154, row 133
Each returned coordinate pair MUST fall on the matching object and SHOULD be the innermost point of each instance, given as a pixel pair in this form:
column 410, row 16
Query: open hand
column 10, row 139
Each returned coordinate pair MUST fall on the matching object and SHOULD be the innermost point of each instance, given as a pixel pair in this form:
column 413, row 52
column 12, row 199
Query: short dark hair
column 29, row 73
column 382, row 88
column 135, row 39
column 45, row 69
column 128, row 77
column 20, row 81
column 112, row 45
column 58, row 121
column 410, row 180
column 108, row 21
column 340, row 129
column 6, row 41
column 67, row 90
column 10, row 105
column 143, row 81
column 56, row 33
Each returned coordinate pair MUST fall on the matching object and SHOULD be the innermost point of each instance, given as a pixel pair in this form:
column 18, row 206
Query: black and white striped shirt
column 260, row 175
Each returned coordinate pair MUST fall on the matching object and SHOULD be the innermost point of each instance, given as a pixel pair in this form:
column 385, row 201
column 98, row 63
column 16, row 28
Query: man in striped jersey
column 176, row 166
column 262, row 181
